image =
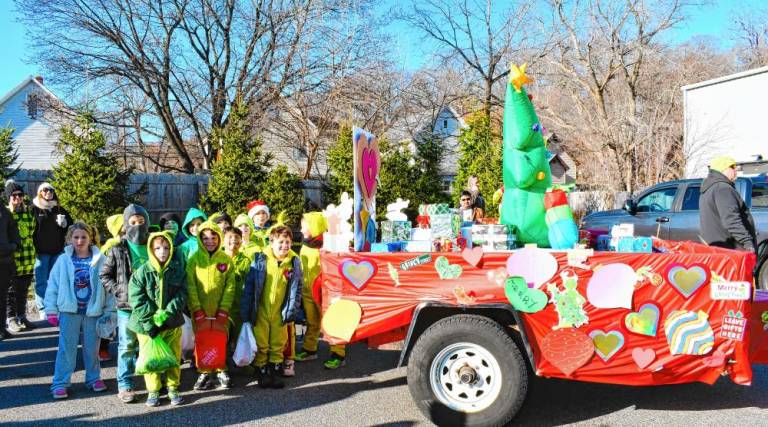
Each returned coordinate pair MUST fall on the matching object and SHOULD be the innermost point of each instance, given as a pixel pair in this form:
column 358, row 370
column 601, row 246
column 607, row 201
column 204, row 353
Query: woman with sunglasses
column 25, row 259
column 468, row 212
column 51, row 222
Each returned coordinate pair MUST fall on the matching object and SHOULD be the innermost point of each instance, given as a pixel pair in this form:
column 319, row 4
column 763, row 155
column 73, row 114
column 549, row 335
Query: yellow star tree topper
column 518, row 77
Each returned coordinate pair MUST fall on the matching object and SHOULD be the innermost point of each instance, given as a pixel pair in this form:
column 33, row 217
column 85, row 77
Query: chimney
column 39, row 79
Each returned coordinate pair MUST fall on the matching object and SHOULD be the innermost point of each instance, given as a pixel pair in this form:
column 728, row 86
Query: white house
column 725, row 116
column 36, row 128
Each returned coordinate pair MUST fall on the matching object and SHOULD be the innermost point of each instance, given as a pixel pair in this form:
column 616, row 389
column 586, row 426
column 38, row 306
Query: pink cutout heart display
column 358, row 273
column 643, row 357
column 473, row 256
column 367, row 164
column 686, row 280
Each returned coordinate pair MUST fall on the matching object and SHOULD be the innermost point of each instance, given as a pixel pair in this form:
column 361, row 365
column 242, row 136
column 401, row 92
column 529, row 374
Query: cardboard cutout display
column 535, row 265
column 341, row 319
column 366, row 165
column 339, row 234
column 525, row 167
column 612, row 286
column 567, row 349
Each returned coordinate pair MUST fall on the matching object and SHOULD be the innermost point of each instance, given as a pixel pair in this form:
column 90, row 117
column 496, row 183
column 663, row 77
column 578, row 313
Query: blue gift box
column 603, row 243
column 387, row 247
column 626, row 244
column 642, row 244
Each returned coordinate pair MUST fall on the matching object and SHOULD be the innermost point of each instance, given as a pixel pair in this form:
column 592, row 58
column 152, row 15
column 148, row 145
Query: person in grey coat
column 724, row 218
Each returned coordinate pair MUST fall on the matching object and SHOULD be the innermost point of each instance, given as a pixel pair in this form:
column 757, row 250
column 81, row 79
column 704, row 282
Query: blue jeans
column 70, row 328
column 43, row 265
column 127, row 351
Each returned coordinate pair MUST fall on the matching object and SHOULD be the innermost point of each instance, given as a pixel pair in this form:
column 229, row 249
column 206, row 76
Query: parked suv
column 670, row 210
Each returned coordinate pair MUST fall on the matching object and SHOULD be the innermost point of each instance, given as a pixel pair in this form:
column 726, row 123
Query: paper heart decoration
column 643, row 357
column 497, row 276
column 612, row 286
column 341, row 319
column 523, row 298
column 645, row 321
column 447, row 270
column 567, row 349
column 532, row 264
column 222, row 267
column 716, row 360
column 607, row 344
column 358, row 273
column 473, row 256
column 687, row 280
column 367, row 165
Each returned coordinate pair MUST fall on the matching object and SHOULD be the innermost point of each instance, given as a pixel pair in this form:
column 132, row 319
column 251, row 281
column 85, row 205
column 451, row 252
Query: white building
column 36, row 128
column 725, row 116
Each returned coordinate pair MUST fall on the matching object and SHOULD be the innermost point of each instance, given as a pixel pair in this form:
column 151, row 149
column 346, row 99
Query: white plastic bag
column 245, row 351
column 187, row 335
column 106, row 326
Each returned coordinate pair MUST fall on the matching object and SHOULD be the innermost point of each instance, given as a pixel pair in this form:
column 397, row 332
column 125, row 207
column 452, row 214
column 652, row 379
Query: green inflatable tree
column 526, row 171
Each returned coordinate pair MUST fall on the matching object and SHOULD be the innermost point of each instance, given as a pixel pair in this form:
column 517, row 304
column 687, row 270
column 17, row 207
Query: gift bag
column 210, row 349
column 245, row 351
column 106, row 326
column 187, row 335
column 155, row 357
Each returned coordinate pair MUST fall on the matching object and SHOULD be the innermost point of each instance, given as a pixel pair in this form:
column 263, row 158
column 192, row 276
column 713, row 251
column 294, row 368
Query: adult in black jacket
column 51, row 222
column 115, row 275
column 9, row 243
column 724, row 218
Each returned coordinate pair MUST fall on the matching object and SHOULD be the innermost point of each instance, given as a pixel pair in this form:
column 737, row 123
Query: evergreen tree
column 282, row 192
column 239, row 172
column 89, row 180
column 429, row 184
column 340, row 161
column 481, row 153
column 8, row 154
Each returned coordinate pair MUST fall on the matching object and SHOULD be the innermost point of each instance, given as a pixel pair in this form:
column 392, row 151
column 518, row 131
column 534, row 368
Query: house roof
column 22, row 85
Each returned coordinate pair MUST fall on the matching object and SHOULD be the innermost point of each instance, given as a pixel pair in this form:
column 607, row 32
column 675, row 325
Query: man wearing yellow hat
column 724, row 218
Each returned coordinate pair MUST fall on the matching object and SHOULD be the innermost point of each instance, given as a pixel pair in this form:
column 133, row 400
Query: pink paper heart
column 370, row 170
column 358, row 273
column 473, row 256
column 716, row 360
column 643, row 357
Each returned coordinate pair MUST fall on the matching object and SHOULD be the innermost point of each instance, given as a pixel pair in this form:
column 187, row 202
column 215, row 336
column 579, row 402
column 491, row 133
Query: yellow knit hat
column 721, row 163
column 316, row 222
column 114, row 224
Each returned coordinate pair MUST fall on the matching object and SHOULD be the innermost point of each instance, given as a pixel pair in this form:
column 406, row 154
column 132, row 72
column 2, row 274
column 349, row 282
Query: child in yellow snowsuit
column 313, row 225
column 271, row 299
column 211, row 287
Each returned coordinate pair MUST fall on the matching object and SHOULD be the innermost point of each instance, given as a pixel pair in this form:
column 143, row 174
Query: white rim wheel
column 465, row 377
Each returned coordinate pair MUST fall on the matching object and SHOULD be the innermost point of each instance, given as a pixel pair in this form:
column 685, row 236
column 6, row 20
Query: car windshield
column 657, row 201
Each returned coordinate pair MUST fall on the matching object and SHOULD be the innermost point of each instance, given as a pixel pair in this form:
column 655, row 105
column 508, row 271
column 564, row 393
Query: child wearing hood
column 121, row 261
column 171, row 223
column 233, row 241
column 313, row 225
column 158, row 294
column 74, row 301
column 115, row 227
column 192, row 222
column 222, row 219
column 211, row 290
column 271, row 300
column 246, row 227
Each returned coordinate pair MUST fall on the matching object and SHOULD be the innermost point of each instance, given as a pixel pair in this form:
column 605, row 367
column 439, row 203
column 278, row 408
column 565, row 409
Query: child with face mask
column 158, row 294
column 211, row 286
column 124, row 258
column 271, row 300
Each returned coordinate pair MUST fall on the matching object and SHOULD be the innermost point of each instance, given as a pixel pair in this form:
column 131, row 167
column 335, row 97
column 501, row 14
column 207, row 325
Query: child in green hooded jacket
column 158, row 294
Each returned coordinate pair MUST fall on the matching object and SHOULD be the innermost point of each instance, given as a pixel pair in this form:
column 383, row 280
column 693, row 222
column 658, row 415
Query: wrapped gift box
column 445, row 225
column 421, row 234
column 387, row 247
column 418, row 246
column 604, row 243
column 395, row 231
column 635, row 244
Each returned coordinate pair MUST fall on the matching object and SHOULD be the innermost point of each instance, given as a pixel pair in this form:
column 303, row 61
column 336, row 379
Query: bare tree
column 485, row 35
column 752, row 35
column 189, row 58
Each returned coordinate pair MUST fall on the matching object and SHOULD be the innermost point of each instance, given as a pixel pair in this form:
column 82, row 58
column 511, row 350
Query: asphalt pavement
column 369, row 391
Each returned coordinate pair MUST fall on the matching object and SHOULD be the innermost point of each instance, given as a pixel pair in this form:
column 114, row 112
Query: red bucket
column 210, row 349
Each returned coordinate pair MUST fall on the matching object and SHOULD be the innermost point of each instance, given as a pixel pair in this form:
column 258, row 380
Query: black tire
column 489, row 336
column 762, row 276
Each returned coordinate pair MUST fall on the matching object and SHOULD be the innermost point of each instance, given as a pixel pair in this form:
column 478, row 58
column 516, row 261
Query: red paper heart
column 221, row 267
column 567, row 349
column 716, row 360
column 643, row 357
column 473, row 256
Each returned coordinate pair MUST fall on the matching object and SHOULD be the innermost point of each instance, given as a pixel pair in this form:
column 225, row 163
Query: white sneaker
column 42, row 315
column 288, row 368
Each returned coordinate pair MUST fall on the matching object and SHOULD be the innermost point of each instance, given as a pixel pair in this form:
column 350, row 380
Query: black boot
column 276, row 375
column 264, row 375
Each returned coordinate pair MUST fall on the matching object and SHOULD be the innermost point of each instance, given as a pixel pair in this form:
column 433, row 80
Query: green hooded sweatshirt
column 189, row 247
column 211, row 278
column 154, row 286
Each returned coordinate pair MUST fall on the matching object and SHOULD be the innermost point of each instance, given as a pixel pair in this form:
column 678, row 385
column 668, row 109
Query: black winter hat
column 12, row 186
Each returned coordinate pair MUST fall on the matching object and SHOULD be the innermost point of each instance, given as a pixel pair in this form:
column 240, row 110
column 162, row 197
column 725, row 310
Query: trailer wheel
column 466, row 370
column 762, row 276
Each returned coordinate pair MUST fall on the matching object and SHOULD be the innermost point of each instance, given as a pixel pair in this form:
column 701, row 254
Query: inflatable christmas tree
column 526, row 169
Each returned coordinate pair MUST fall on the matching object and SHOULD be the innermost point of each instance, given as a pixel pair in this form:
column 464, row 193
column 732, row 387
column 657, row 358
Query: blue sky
column 711, row 20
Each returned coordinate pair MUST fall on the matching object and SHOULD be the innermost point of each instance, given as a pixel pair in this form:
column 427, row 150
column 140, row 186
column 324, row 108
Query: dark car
column 670, row 210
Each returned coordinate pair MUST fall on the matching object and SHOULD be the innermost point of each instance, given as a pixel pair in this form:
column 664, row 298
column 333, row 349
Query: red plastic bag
column 210, row 349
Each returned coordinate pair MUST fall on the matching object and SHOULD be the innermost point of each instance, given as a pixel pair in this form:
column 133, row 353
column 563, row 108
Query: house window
column 447, row 183
column 445, row 124
column 32, row 106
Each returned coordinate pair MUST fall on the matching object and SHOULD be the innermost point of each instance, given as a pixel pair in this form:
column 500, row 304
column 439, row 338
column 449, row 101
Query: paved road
column 366, row 392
